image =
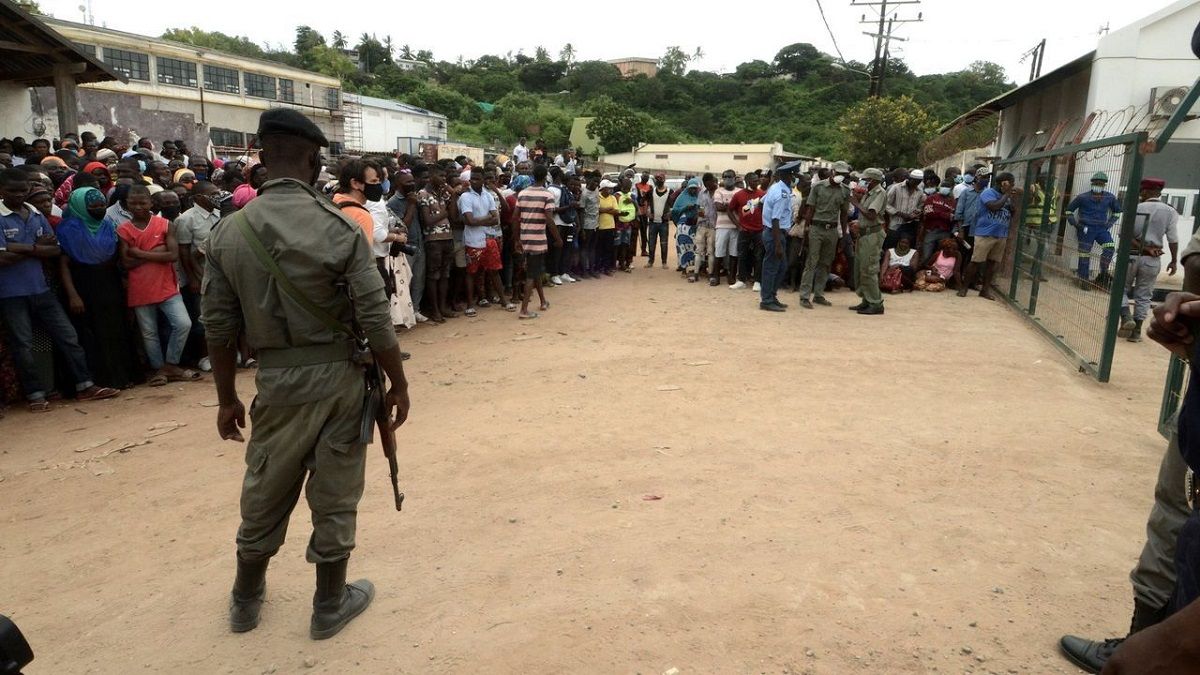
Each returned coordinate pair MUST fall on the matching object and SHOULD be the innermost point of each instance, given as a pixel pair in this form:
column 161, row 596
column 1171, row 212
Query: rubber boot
column 1091, row 655
column 1136, row 334
column 249, row 588
column 335, row 603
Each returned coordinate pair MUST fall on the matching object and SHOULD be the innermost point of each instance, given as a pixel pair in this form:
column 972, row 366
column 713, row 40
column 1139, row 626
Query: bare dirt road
column 936, row 489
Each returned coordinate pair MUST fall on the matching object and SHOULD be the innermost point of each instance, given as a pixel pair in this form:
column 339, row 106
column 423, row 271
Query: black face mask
column 373, row 191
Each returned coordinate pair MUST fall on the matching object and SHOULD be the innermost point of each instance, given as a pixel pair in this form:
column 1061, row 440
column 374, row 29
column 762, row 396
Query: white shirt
column 556, row 190
column 479, row 205
column 521, row 153
column 383, row 220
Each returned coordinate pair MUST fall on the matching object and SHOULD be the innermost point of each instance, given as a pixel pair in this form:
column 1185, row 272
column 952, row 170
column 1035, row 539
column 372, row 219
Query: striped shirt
column 532, row 203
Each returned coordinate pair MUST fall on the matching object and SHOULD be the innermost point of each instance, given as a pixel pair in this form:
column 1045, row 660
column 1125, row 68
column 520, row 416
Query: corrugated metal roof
column 30, row 51
column 388, row 104
column 706, row 147
column 1012, row 96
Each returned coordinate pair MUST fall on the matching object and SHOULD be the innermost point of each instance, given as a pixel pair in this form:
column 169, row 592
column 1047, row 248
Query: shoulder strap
column 286, row 284
column 351, row 204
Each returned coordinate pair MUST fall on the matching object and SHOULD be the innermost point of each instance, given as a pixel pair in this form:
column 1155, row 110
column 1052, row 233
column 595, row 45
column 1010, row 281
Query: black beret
column 288, row 122
column 790, row 167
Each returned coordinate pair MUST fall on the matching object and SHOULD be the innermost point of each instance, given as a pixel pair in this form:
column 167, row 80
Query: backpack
column 570, row 215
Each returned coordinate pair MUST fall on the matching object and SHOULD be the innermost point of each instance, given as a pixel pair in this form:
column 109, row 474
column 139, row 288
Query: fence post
column 1049, row 206
column 1121, row 264
column 1015, row 279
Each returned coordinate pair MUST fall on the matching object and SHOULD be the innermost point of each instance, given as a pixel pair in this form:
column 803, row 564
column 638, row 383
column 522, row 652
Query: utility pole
column 1035, row 55
column 883, row 36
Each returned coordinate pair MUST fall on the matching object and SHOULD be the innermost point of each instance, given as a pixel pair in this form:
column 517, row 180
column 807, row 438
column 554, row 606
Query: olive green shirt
column 828, row 202
column 317, row 247
column 876, row 200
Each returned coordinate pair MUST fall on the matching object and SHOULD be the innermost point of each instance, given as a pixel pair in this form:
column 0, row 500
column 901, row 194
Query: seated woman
column 898, row 272
column 941, row 268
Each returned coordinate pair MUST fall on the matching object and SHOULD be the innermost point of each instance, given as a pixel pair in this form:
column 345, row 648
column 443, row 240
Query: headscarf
column 685, row 201
column 83, row 238
column 92, row 166
column 104, row 154
column 520, row 182
column 180, row 173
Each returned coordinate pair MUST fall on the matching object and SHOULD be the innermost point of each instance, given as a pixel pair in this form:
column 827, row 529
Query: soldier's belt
column 306, row 356
column 827, row 224
column 870, row 229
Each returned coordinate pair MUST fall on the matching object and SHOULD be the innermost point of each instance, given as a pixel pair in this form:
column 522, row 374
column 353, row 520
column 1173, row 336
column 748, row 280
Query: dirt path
column 935, row 489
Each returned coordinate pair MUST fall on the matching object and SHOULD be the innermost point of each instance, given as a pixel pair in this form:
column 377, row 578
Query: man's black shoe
column 871, row 310
column 781, row 304
column 806, row 303
column 820, row 300
column 1089, row 655
column 768, row 307
column 861, row 305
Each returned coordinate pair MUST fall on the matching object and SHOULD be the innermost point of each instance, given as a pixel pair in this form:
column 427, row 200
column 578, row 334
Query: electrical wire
column 830, row 31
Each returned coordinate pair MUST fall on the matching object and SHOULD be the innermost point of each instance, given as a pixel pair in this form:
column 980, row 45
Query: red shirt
column 151, row 282
column 937, row 213
column 748, row 221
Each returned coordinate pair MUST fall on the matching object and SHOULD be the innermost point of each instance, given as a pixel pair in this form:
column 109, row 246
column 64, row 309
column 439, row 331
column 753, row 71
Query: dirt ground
column 936, row 489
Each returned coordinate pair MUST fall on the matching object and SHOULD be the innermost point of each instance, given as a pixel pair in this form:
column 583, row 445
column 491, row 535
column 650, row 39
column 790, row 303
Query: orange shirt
column 359, row 215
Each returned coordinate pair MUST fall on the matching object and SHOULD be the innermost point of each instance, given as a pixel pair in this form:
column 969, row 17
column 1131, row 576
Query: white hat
column 607, row 184
column 916, row 174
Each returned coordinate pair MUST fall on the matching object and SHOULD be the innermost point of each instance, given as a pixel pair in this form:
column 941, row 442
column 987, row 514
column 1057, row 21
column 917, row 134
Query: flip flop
column 97, row 394
column 510, row 307
column 471, row 312
column 532, row 315
column 39, row 406
column 158, row 380
column 545, row 305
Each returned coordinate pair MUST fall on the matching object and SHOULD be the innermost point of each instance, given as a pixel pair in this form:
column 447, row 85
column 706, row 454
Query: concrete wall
column 16, row 117
column 382, row 127
column 693, row 161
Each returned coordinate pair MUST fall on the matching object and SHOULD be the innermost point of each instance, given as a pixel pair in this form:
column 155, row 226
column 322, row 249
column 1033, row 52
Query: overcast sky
column 949, row 37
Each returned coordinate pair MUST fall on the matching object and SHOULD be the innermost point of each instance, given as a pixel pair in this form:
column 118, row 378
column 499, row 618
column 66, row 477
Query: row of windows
column 136, row 66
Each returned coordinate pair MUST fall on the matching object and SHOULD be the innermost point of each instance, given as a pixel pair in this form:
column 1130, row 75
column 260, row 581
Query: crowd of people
column 101, row 277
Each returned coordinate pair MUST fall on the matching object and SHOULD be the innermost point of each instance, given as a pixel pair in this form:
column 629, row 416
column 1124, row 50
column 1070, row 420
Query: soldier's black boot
column 1091, row 655
column 335, row 603
column 246, row 600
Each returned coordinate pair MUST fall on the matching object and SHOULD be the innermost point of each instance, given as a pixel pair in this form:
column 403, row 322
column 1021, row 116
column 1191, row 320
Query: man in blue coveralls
column 1092, row 214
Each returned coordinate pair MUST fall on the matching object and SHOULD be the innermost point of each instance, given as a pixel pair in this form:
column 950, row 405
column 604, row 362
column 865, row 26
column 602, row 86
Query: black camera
column 406, row 249
column 15, row 652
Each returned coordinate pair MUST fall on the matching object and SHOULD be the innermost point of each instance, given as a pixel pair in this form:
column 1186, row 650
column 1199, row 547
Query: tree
column 425, row 55
column 406, row 52
column 30, row 6
column 541, row 55
column 675, row 61
column 799, row 59
column 590, row 78
column 617, row 127
column 988, row 72
column 567, row 54
column 754, row 70
column 542, row 76
column 884, row 131
column 307, row 39
column 372, row 53
column 338, row 40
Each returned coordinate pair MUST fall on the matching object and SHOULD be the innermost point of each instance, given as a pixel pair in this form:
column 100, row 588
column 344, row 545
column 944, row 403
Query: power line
column 830, row 31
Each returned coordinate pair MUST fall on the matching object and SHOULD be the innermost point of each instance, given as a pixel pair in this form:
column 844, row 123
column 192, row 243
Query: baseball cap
column 607, row 184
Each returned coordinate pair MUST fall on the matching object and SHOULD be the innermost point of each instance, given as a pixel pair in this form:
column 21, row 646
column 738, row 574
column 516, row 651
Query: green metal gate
column 1039, row 275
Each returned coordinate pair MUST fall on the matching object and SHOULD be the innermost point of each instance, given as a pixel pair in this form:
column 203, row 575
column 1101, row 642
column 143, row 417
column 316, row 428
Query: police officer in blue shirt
column 777, row 220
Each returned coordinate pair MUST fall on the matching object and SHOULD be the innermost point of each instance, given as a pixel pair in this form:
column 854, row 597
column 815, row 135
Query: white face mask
column 930, row 190
column 854, row 185
column 944, row 190
column 838, row 179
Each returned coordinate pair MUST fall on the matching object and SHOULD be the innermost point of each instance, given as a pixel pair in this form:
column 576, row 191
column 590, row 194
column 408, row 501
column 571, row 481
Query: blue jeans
column 774, row 266
column 176, row 314
column 18, row 315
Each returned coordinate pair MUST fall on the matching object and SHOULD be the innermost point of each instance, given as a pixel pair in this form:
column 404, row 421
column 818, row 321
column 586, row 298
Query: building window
column 740, row 157
column 226, row 138
column 90, row 50
column 287, row 91
column 176, row 72
column 660, row 156
column 331, row 99
column 133, row 65
column 221, row 79
column 259, row 86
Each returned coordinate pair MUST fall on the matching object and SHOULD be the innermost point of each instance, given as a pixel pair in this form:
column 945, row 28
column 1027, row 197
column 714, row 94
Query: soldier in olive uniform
column 869, row 250
column 306, row 416
column 825, row 211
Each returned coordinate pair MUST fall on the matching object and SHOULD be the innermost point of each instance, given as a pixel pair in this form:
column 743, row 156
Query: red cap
column 1153, row 183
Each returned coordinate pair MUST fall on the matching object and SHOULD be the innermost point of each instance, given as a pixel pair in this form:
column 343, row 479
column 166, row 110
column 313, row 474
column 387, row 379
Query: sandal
column 191, row 375
column 531, row 315
column 471, row 312
column 158, row 380
column 483, row 303
column 545, row 305
column 510, row 307
column 250, row 363
column 39, row 406
column 95, row 393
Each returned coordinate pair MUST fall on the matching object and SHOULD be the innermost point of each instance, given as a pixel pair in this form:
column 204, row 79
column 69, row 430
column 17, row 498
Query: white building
column 177, row 91
column 388, row 125
column 704, row 157
column 1131, row 82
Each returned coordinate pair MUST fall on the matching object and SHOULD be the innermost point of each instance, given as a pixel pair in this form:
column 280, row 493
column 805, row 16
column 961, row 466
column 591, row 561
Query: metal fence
column 1071, row 289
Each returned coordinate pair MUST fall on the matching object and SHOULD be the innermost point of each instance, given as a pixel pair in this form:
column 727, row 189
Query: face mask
column 944, row 191
column 930, row 190
column 373, row 191
column 170, row 213
column 1097, row 189
column 983, row 182
column 839, row 179
column 854, row 185
column 201, row 175
column 968, row 179
column 387, row 186
column 958, row 180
